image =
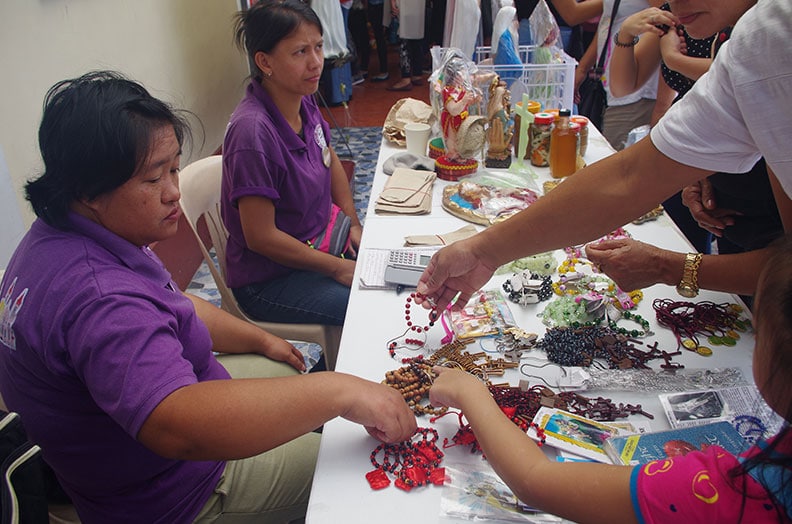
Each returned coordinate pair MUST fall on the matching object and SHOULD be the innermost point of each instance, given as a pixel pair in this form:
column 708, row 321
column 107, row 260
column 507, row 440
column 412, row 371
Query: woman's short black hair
column 95, row 133
column 264, row 25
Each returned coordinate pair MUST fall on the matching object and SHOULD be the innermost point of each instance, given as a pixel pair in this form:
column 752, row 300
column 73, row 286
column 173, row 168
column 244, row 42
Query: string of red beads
column 413, row 463
column 433, row 315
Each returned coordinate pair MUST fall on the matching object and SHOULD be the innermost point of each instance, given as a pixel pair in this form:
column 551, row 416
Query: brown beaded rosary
column 414, row 379
column 720, row 323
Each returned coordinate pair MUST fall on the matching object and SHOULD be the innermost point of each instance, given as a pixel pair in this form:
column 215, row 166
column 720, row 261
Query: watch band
column 689, row 280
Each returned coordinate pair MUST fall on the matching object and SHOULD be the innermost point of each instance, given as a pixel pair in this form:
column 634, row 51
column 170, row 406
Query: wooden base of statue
column 500, row 160
column 453, row 170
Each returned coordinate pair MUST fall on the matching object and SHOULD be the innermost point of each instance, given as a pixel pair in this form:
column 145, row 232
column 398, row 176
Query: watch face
column 686, row 291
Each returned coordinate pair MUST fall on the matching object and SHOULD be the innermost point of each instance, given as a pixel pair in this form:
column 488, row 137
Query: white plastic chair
column 200, row 184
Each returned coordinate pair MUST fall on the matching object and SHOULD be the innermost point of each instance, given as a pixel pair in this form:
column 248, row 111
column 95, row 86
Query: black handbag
column 593, row 98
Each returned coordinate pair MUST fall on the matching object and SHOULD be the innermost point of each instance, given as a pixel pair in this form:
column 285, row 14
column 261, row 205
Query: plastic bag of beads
column 487, row 313
column 475, row 492
column 651, row 380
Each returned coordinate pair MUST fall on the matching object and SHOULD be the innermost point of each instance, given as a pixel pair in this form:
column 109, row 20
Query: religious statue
column 501, row 125
column 462, row 124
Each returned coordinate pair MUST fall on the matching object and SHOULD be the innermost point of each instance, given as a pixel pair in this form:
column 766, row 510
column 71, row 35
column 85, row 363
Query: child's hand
column 451, row 385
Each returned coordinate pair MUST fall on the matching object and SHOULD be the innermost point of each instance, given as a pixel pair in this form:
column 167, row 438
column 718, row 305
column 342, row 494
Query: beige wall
column 181, row 50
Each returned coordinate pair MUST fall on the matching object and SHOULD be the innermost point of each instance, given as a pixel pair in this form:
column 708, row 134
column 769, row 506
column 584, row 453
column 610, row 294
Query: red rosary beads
column 412, row 342
column 433, row 315
column 465, row 436
column 413, row 463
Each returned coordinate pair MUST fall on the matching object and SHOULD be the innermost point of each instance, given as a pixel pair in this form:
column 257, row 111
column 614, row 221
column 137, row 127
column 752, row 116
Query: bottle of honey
column 563, row 146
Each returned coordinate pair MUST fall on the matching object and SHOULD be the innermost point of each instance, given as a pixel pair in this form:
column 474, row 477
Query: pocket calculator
column 405, row 267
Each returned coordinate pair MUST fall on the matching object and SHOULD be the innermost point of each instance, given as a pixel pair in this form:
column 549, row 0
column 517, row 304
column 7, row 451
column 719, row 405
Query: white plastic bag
column 329, row 13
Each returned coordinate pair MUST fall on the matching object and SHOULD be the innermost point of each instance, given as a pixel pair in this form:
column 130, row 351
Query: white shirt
column 742, row 108
column 626, row 8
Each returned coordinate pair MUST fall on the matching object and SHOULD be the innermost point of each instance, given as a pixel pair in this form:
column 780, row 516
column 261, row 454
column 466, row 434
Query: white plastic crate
column 552, row 85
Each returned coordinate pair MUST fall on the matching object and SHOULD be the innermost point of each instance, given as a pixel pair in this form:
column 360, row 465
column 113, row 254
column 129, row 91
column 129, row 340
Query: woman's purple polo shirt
column 94, row 334
column 263, row 156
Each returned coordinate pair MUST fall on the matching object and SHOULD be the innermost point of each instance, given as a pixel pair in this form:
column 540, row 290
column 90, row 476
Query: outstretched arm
column 231, row 419
column 591, row 203
column 564, row 489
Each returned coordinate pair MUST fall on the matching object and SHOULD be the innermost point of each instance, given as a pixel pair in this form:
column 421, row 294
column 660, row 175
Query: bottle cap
column 564, row 112
column 580, row 119
column 544, row 118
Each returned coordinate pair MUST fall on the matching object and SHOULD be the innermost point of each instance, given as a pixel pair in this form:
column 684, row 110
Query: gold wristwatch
column 688, row 286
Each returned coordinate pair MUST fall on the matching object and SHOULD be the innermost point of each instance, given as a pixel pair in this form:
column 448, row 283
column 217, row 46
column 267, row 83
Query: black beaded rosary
column 526, row 288
column 582, row 346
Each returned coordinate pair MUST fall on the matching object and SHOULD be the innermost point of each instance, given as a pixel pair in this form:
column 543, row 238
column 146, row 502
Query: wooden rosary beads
column 413, row 463
column 414, row 379
column 413, row 382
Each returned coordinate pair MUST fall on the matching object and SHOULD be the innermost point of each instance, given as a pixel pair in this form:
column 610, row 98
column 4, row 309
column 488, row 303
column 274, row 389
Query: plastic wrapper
column 485, row 205
column 475, row 492
column 465, row 26
column 687, row 379
column 637, row 134
column 544, row 28
column 486, row 313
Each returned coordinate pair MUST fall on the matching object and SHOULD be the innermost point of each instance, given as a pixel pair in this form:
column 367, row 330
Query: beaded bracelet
column 621, row 44
column 631, row 332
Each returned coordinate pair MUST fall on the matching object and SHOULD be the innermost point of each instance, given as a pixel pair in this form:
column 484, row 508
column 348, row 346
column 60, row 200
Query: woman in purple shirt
column 282, row 182
column 112, row 368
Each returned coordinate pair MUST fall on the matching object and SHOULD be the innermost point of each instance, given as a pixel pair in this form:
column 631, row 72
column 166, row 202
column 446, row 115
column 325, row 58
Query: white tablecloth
column 340, row 490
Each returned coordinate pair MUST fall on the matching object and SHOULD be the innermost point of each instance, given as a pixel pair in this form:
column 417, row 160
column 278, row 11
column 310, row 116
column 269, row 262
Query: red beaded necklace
column 414, row 337
column 414, row 462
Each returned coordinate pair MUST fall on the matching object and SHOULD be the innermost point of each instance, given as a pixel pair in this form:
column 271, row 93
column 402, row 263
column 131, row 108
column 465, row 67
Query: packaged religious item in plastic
column 486, row 313
column 457, row 98
column 484, row 204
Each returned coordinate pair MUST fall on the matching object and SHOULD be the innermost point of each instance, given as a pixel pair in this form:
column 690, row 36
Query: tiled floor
column 371, row 101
